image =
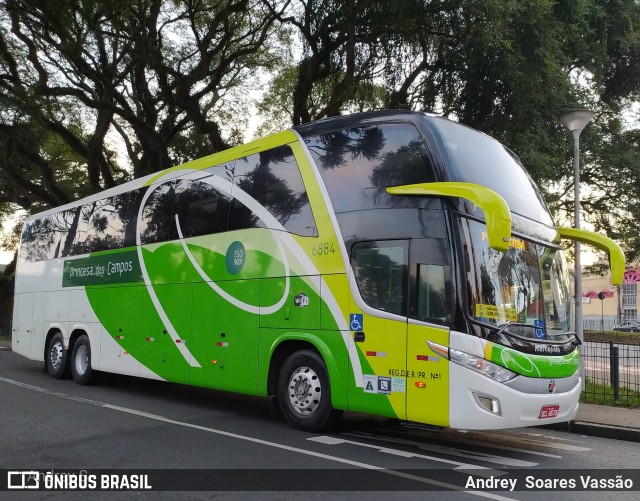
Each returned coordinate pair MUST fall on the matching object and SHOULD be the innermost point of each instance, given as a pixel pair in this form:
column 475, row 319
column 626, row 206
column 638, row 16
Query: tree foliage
column 154, row 74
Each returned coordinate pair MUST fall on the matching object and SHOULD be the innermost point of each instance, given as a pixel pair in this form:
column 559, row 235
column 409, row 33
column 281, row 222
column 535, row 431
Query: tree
column 340, row 41
column 155, row 72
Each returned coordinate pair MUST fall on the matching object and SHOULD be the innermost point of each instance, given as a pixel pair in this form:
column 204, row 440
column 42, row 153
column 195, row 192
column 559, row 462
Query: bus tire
column 304, row 393
column 81, row 370
column 56, row 361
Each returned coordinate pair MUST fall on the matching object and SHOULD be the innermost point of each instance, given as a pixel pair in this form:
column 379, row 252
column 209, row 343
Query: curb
column 604, row 431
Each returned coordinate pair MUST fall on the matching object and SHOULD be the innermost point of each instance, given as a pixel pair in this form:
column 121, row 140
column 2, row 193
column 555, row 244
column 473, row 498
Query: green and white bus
column 393, row 263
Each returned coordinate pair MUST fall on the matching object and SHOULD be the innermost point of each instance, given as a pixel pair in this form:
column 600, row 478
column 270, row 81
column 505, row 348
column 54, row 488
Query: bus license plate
column 549, row 411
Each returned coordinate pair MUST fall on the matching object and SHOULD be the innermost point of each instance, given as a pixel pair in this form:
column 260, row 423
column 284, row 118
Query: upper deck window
column 272, row 178
column 96, row 226
column 358, row 164
column 474, row 157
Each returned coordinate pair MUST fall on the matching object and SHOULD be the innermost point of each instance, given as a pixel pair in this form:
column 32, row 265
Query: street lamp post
column 575, row 121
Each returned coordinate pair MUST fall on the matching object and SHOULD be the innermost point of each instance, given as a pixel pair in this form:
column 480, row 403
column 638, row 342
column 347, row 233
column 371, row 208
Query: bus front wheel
column 57, row 357
column 304, row 393
column 81, row 369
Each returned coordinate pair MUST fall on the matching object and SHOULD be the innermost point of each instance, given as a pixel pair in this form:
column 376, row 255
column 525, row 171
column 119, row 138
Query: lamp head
column 576, row 120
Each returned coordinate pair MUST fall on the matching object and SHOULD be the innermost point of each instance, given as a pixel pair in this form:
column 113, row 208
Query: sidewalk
column 606, row 421
column 596, row 420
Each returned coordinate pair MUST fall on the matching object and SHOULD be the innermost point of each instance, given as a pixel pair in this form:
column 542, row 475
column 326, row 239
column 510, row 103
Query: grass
column 615, row 336
column 601, row 394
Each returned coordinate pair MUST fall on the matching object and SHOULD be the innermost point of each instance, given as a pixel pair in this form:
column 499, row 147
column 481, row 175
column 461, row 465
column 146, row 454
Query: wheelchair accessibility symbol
column 357, row 322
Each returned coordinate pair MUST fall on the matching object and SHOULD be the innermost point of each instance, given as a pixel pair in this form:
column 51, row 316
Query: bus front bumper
column 480, row 403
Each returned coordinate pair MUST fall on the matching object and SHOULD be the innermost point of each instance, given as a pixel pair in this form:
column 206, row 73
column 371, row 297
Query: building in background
column 618, row 303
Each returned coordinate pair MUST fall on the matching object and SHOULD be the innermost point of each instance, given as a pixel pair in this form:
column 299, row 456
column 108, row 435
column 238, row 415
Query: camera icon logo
column 28, row 479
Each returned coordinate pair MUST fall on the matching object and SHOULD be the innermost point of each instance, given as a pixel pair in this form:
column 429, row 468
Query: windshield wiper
column 501, row 329
column 504, row 329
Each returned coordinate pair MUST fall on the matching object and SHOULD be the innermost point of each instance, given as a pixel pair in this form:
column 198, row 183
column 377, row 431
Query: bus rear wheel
column 304, row 393
column 56, row 361
column 81, row 369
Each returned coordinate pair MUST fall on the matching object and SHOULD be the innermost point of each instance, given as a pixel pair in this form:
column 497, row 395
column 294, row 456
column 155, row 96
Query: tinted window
column 101, row 225
column 273, row 179
column 431, row 293
column 157, row 213
column 430, row 282
column 63, row 227
column 380, row 270
column 201, row 209
column 37, row 239
column 474, row 157
column 357, row 165
column 130, row 218
column 387, row 224
column 49, row 237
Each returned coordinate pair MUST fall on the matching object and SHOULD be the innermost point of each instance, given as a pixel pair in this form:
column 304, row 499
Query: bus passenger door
column 378, row 324
column 429, row 314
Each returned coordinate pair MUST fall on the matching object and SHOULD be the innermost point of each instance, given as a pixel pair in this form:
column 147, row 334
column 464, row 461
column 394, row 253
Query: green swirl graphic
column 536, row 365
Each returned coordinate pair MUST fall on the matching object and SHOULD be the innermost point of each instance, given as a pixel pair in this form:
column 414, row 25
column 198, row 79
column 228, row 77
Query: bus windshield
column 526, row 287
column 473, row 157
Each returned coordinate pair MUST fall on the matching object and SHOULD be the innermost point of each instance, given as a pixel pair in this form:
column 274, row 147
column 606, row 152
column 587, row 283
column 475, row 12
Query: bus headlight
column 481, row 365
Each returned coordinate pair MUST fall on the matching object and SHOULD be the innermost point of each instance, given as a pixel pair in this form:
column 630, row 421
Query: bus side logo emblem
column 552, row 386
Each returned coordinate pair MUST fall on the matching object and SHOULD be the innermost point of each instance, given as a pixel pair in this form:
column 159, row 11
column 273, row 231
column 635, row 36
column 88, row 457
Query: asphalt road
column 235, row 447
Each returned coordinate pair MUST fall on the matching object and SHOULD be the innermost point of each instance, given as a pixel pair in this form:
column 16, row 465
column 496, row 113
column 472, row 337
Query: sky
column 5, row 257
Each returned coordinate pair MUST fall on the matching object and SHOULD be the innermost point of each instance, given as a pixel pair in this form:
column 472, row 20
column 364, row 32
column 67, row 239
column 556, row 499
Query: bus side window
column 101, row 226
column 358, row 164
column 201, row 209
column 37, row 239
column 48, row 236
column 130, row 216
column 157, row 212
column 62, row 228
column 380, row 270
column 273, row 179
column 26, row 241
column 431, row 293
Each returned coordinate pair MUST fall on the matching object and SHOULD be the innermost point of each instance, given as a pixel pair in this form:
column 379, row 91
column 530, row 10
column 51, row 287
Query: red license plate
column 549, row 411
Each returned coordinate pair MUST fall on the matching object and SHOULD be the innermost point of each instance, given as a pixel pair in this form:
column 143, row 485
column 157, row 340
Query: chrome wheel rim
column 55, row 355
column 305, row 391
column 82, row 359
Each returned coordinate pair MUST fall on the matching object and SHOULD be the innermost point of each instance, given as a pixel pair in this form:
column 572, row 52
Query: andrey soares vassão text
column 530, row 482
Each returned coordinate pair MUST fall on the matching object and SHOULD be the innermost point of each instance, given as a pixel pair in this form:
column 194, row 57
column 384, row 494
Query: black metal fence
column 612, row 371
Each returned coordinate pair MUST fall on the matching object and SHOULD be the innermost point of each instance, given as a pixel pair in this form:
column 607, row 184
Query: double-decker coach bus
column 393, row 263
